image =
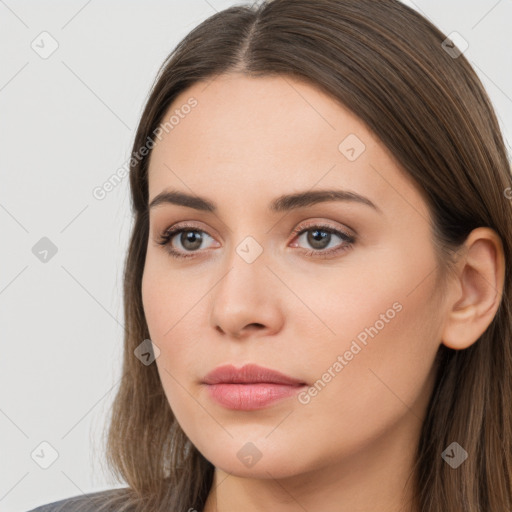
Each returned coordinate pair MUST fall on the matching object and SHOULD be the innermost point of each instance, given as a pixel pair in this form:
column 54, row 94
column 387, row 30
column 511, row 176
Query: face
column 337, row 294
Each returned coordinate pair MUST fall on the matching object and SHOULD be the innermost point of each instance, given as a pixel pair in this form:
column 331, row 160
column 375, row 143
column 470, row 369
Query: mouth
column 250, row 387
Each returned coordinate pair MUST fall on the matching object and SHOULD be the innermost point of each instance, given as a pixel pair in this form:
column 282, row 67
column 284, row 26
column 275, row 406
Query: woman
column 316, row 292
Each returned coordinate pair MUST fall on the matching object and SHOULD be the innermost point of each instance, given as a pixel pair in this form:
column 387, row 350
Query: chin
column 251, row 460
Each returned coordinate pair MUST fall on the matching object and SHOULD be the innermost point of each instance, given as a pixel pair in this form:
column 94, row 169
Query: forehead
column 255, row 137
column 236, row 115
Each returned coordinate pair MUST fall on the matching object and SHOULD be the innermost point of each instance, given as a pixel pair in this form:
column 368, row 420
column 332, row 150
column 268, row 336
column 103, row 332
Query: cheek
column 154, row 301
column 171, row 324
column 165, row 299
column 175, row 315
column 377, row 367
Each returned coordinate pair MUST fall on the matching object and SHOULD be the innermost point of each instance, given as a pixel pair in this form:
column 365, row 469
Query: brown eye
column 188, row 239
column 319, row 237
column 184, row 241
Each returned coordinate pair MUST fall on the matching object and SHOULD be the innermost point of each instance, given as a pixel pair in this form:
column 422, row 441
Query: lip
column 249, row 387
column 248, row 374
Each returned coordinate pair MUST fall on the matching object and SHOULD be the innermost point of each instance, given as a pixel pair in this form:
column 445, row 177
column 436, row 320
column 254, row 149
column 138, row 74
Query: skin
column 351, row 448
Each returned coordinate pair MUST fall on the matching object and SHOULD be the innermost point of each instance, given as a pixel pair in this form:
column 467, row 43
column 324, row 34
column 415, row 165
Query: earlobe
column 478, row 289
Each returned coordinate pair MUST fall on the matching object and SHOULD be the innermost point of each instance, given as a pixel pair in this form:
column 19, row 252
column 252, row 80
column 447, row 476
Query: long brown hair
column 385, row 63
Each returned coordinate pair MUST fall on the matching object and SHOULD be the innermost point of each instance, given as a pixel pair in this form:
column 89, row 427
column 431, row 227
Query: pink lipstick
column 250, row 387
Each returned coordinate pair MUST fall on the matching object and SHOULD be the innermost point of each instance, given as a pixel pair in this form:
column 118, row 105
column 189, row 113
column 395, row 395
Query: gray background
column 67, row 124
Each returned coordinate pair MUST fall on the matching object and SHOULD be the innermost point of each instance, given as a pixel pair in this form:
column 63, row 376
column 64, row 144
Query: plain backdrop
column 67, row 123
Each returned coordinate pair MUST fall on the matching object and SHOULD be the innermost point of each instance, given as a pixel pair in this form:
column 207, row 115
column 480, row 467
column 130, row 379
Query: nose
column 246, row 301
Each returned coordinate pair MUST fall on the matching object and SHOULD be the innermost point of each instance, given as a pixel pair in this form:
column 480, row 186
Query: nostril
column 255, row 326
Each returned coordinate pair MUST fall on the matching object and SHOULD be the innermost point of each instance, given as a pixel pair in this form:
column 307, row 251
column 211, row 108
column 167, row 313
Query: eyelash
column 166, row 237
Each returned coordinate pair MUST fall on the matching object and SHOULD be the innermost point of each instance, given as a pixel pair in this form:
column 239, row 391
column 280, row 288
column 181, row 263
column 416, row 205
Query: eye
column 190, row 240
column 319, row 236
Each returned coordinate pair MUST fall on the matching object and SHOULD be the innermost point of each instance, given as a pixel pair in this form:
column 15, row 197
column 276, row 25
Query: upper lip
column 249, row 373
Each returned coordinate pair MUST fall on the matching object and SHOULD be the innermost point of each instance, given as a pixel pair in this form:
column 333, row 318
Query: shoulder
column 91, row 502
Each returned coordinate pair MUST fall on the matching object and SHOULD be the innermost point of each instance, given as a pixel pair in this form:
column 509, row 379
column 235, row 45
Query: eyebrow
column 280, row 204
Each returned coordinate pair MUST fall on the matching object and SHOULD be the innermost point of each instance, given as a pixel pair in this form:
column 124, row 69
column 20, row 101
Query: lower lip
column 248, row 397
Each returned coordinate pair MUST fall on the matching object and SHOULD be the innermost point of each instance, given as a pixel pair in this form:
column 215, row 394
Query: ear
column 477, row 289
